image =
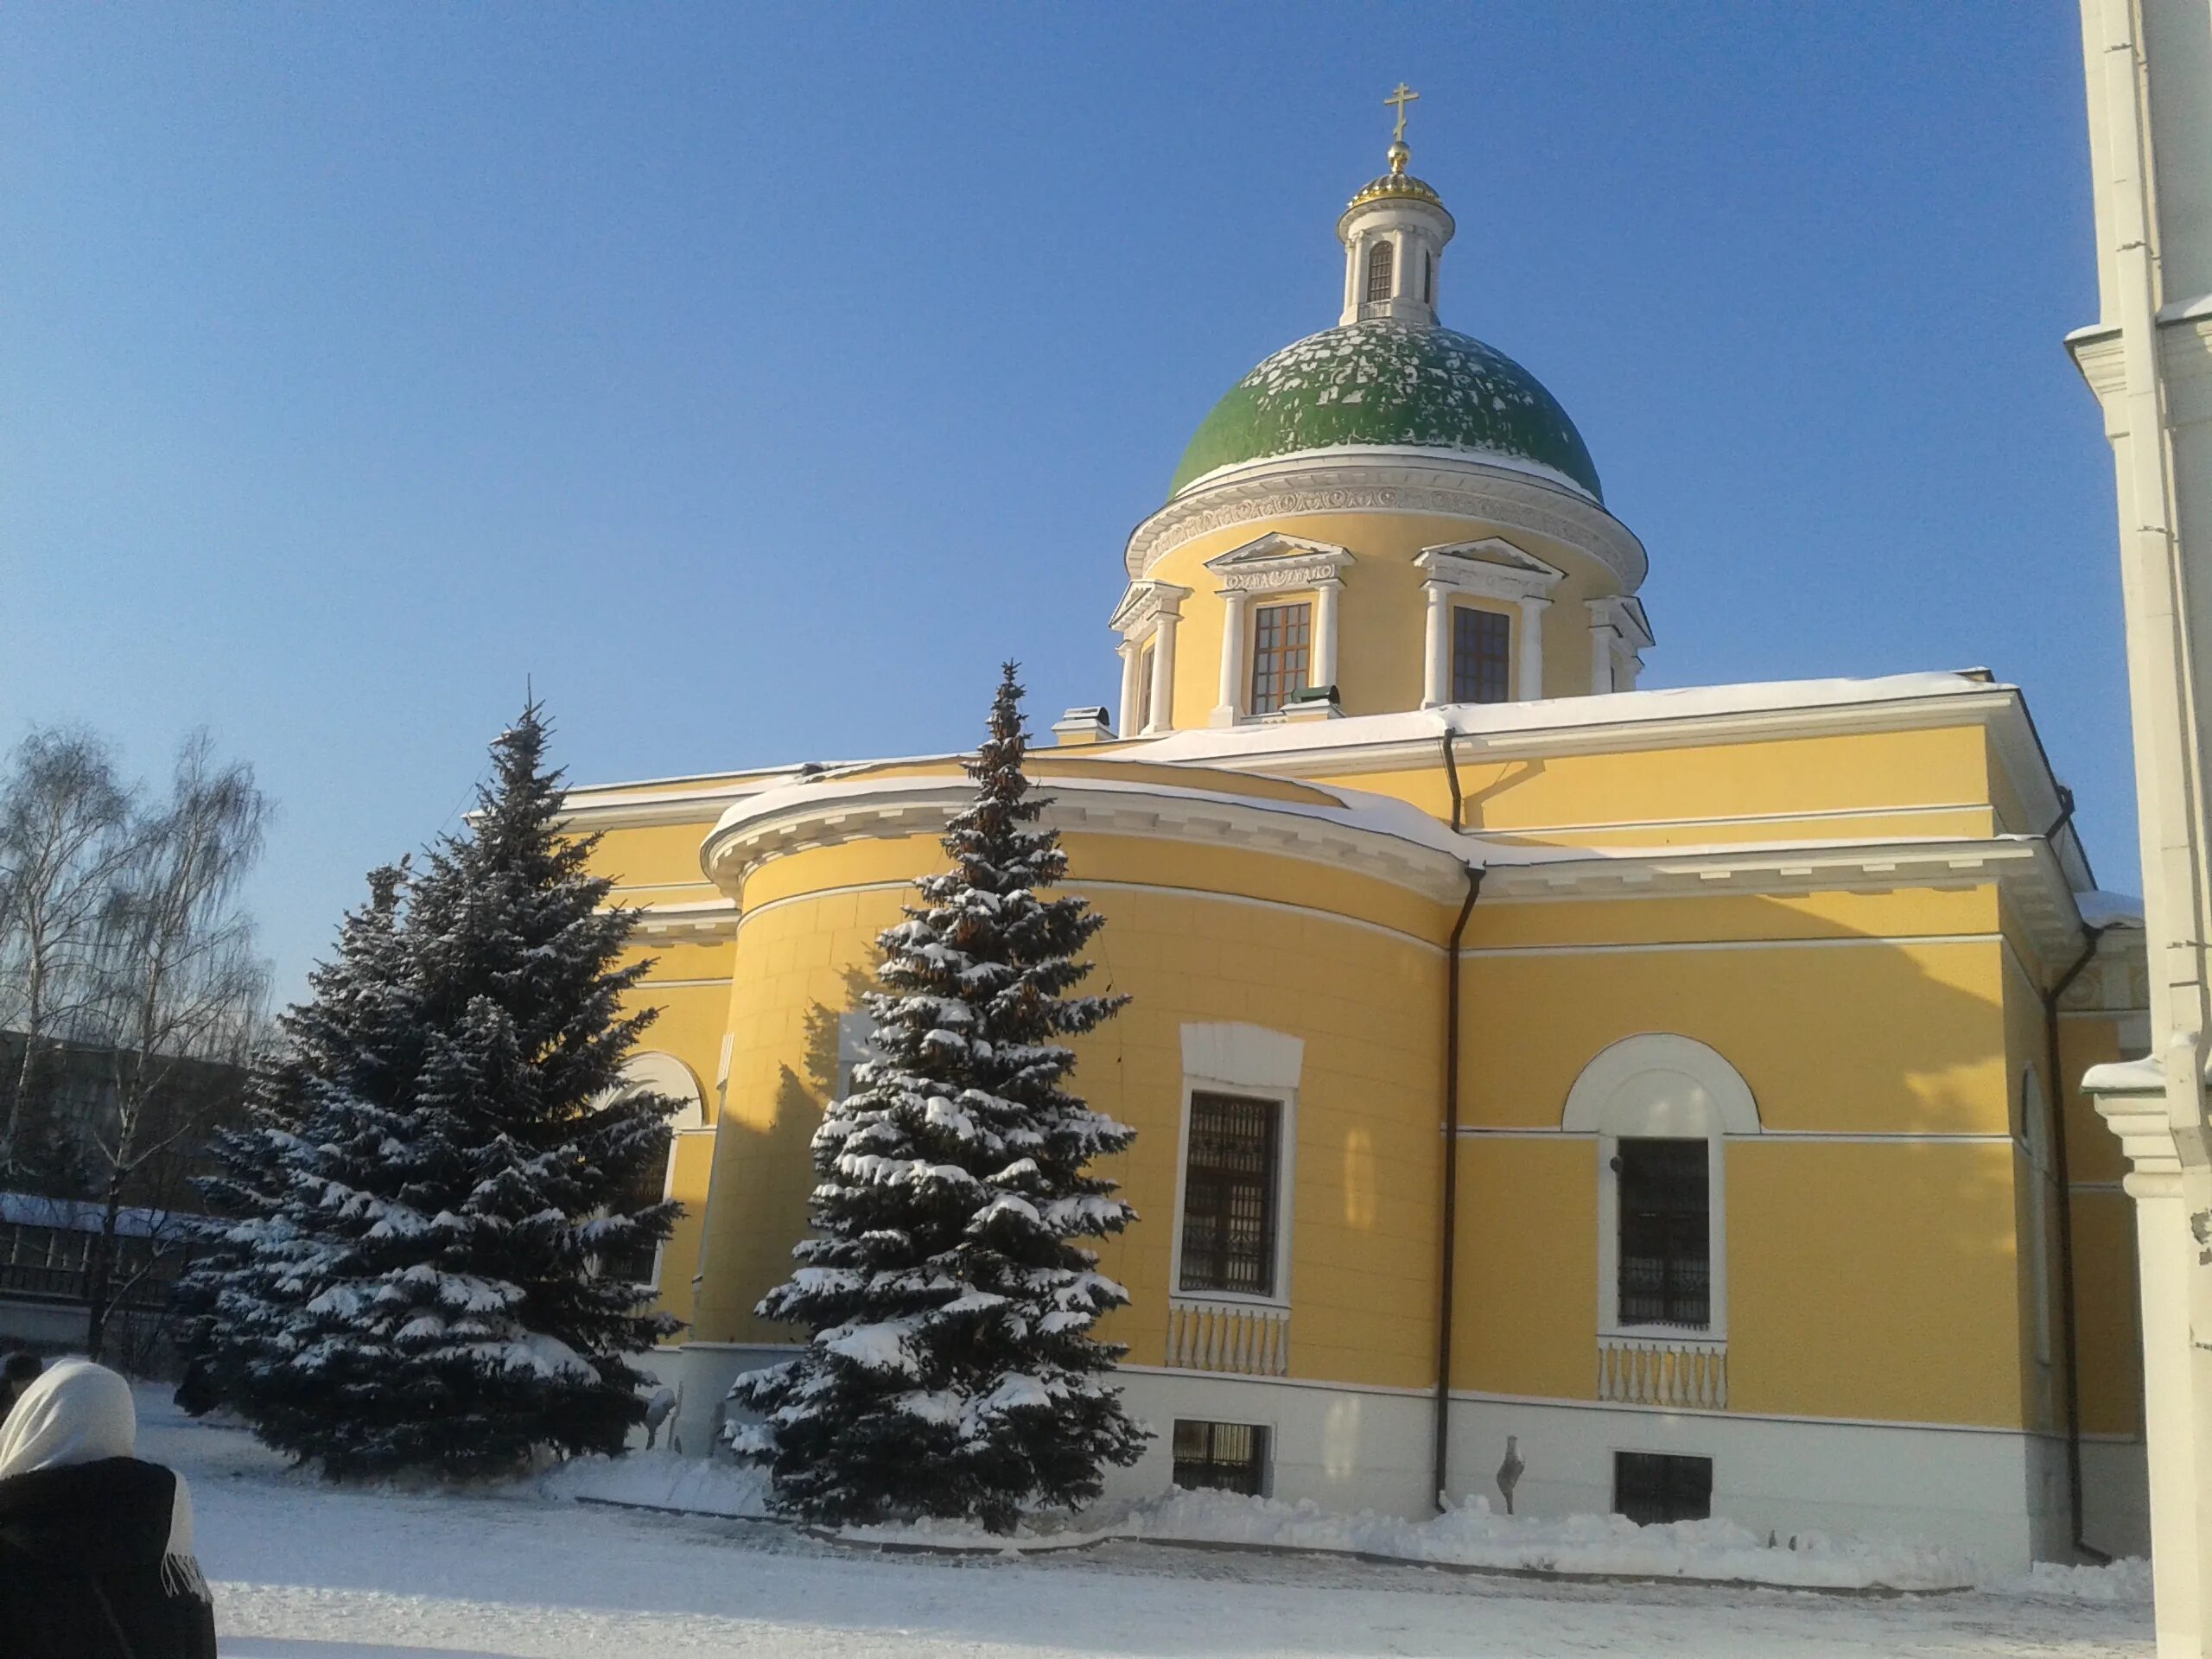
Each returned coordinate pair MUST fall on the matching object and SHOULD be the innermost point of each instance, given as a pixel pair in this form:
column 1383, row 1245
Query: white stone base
column 2116, row 1497
column 1998, row 1495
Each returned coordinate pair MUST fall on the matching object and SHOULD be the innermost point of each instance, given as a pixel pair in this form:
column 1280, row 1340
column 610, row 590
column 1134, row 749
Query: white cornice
column 589, row 811
column 703, row 921
column 1347, row 838
column 2025, row 868
column 1344, row 748
column 2184, row 356
column 1396, row 481
column 1144, row 604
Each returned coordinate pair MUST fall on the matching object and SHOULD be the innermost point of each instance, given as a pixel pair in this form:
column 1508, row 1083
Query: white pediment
column 1276, row 560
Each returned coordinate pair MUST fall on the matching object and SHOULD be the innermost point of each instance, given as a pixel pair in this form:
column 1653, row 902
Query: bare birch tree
column 64, row 842
column 180, row 987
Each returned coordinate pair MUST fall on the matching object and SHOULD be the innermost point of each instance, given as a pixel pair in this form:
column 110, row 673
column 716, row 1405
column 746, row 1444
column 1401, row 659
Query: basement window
column 1651, row 1488
column 1221, row 1457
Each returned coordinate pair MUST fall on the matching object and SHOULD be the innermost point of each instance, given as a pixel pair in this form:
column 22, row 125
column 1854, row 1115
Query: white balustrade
column 1241, row 1337
column 1686, row 1372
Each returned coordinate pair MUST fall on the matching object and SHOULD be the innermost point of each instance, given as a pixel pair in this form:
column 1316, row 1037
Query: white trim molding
column 656, row 1071
column 703, row 921
column 1489, row 490
column 1232, row 1058
column 1493, row 569
column 1661, row 1086
column 825, row 814
column 1274, row 563
column 1619, row 632
column 1151, row 613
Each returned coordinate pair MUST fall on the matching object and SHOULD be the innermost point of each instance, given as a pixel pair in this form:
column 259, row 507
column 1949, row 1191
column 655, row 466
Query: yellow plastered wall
column 653, row 856
column 1526, row 1274
column 1874, row 1279
column 1916, row 783
column 1382, row 611
column 1886, row 1022
column 2108, row 1311
column 1366, row 1002
column 1872, row 1037
column 2036, row 1197
column 687, row 988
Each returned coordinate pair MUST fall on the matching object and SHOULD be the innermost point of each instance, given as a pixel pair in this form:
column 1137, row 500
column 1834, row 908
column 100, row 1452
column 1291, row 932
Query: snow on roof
column 1560, row 713
column 1353, row 809
column 77, row 1215
column 2101, row 910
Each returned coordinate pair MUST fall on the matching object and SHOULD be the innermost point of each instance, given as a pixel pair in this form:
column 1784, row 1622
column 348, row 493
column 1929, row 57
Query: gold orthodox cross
column 1402, row 96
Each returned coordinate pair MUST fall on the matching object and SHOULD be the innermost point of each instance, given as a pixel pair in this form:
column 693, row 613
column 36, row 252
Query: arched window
column 2042, row 1194
column 1381, row 271
column 665, row 1075
column 1660, row 1107
column 1428, row 278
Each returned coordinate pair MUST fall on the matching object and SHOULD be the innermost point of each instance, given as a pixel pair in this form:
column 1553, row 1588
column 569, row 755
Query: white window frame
column 1662, row 1087
column 662, row 1073
column 1267, row 1426
column 2042, row 1188
column 1233, row 1058
column 855, row 1043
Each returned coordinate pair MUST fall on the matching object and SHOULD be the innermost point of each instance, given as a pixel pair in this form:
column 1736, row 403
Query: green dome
column 1389, row 383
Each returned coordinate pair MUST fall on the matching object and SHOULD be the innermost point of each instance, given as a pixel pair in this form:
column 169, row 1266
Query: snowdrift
column 1469, row 1537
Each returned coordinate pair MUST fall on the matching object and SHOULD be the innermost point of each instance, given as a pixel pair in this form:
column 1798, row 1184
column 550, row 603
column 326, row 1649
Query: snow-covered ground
column 303, row 1571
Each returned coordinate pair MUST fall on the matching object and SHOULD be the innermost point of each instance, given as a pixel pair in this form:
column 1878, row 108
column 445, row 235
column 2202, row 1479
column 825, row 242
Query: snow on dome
column 1381, row 383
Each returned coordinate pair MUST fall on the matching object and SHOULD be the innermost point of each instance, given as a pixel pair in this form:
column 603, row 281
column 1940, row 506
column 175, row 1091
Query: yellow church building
column 1677, row 1087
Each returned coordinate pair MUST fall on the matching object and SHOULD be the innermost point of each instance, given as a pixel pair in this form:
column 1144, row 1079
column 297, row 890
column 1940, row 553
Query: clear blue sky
column 755, row 379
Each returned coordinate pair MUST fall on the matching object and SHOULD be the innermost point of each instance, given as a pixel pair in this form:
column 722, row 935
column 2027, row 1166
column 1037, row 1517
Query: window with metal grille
column 1229, row 1177
column 1282, row 653
column 1666, row 1269
column 1651, row 1488
column 1381, row 260
column 1482, row 642
column 1144, row 692
column 637, row 1263
column 1226, row 1457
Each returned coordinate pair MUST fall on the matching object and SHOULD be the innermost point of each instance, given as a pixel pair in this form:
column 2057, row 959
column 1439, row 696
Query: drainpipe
column 2054, row 1113
column 1451, row 1219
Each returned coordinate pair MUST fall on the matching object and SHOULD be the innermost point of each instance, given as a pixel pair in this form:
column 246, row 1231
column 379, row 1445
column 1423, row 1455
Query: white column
column 1324, row 629
column 1436, row 656
column 1532, row 646
column 1603, row 635
column 1235, row 607
column 1129, row 652
column 2181, row 1457
column 1163, row 674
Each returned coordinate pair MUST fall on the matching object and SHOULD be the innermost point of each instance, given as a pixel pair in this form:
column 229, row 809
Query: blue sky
column 753, row 379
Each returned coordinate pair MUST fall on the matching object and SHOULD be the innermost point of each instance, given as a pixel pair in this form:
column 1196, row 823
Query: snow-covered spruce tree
column 950, row 1371
column 439, row 1162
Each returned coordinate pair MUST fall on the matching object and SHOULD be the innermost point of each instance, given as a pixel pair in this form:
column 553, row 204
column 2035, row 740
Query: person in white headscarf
column 95, row 1558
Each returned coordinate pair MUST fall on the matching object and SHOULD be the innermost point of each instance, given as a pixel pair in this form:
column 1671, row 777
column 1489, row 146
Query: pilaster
column 2176, row 1298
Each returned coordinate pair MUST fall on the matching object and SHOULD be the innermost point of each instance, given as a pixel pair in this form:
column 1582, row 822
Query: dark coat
column 80, row 1567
